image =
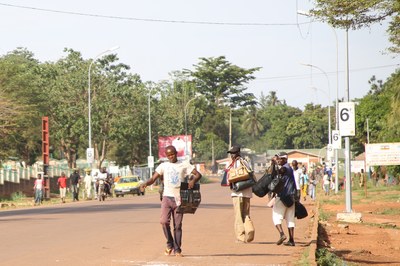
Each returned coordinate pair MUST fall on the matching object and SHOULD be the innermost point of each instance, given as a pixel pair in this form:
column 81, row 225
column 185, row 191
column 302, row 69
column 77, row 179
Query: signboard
column 181, row 143
column 90, row 155
column 382, row 154
column 356, row 166
column 336, row 140
column 329, row 152
column 347, row 121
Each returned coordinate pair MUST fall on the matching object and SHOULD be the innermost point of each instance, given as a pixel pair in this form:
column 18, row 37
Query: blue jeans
column 38, row 196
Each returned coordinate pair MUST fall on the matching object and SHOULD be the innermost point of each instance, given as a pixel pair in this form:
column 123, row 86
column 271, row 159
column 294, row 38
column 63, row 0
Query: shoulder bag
column 277, row 184
column 300, row 211
column 239, row 173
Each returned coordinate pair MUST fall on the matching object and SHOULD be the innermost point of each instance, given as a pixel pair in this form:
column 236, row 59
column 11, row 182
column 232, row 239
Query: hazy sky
column 160, row 36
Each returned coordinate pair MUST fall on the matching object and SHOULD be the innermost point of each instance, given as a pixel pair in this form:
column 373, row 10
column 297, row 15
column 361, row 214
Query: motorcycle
column 102, row 194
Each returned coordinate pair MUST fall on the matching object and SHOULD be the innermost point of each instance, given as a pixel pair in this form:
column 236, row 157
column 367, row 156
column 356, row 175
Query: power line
column 291, row 77
column 153, row 20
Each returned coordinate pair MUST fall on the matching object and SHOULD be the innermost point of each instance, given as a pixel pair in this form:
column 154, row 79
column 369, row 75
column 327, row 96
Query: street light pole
column 186, row 106
column 307, row 14
column 329, row 106
column 89, row 96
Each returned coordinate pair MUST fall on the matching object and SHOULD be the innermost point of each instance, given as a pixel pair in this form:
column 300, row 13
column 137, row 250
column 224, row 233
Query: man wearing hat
column 280, row 211
column 241, row 199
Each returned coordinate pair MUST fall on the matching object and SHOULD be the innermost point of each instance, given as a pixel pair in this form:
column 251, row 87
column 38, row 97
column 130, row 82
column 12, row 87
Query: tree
column 22, row 105
column 251, row 123
column 359, row 14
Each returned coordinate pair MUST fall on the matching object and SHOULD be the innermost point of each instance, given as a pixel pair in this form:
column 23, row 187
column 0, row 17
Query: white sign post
column 347, row 121
column 336, row 140
column 150, row 161
column 90, row 155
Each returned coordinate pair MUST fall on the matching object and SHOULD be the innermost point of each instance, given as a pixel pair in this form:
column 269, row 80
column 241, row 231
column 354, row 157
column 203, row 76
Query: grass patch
column 323, row 215
column 389, row 211
column 304, row 260
column 327, row 258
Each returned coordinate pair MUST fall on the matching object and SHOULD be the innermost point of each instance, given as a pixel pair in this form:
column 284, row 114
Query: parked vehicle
column 128, row 185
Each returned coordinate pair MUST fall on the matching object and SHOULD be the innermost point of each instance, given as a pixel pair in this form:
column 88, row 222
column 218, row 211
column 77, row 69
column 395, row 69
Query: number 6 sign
column 347, row 121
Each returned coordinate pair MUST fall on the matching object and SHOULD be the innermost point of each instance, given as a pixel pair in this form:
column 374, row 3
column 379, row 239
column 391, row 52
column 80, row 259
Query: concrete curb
column 314, row 236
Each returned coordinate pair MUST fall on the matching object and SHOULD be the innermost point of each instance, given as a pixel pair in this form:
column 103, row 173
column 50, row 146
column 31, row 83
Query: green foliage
column 327, row 258
column 18, row 196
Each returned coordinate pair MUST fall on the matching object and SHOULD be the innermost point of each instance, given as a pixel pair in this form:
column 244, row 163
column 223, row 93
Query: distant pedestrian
column 326, row 182
column 62, row 185
column 304, row 181
column 173, row 173
column 75, row 178
column 88, row 184
column 38, row 188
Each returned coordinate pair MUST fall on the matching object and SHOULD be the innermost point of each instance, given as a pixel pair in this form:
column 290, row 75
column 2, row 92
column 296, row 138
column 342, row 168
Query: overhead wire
column 153, row 20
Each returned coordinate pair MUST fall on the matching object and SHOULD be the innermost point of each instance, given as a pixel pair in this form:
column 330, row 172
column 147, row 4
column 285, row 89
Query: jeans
column 168, row 209
column 38, row 196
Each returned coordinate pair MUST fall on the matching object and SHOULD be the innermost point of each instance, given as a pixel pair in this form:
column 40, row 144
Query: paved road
column 126, row 231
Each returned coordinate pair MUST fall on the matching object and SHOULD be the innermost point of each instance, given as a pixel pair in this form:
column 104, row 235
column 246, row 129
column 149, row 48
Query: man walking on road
column 173, row 172
column 280, row 211
column 75, row 179
column 62, row 184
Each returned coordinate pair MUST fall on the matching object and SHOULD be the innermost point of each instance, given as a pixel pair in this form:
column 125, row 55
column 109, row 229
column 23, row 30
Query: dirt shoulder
column 374, row 241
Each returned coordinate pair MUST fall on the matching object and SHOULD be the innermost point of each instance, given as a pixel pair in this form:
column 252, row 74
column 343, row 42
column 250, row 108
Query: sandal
column 178, row 254
column 167, row 251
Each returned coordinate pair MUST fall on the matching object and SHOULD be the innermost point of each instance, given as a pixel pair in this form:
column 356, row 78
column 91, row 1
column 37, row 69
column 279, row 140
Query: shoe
column 178, row 254
column 280, row 241
column 289, row 243
column 167, row 251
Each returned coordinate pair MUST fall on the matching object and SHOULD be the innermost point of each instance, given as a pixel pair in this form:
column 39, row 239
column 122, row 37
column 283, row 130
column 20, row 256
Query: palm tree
column 251, row 123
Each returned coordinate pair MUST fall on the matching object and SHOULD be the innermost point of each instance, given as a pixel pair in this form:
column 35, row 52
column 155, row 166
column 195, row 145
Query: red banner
column 179, row 142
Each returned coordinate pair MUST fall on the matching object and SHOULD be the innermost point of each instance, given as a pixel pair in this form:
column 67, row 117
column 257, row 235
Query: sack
column 300, row 211
column 238, row 186
column 238, row 174
column 248, row 229
column 261, row 186
column 276, row 184
column 224, row 180
column 287, row 200
column 190, row 198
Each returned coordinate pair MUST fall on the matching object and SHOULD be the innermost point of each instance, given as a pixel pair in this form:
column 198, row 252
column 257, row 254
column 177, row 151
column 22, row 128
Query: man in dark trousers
column 75, row 178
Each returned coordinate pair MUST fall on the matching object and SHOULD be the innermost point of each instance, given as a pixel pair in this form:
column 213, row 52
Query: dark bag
column 287, row 200
column 224, row 180
column 190, row 198
column 276, row 184
column 240, row 185
column 261, row 186
column 300, row 211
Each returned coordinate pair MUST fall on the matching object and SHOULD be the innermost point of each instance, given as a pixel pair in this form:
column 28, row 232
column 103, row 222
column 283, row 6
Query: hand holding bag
column 190, row 198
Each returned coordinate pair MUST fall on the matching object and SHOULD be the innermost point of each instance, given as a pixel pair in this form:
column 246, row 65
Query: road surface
column 126, row 231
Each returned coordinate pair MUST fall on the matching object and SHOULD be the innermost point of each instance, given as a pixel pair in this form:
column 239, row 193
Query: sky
column 156, row 37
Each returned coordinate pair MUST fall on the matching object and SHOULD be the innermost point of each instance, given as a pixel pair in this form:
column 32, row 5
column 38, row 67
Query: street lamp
column 186, row 106
column 329, row 99
column 89, row 102
column 307, row 14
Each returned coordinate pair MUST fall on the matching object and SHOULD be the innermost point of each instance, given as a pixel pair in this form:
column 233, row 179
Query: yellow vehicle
column 128, row 185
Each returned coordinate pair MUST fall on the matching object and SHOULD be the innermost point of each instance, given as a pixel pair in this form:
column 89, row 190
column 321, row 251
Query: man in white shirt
column 173, row 173
column 297, row 172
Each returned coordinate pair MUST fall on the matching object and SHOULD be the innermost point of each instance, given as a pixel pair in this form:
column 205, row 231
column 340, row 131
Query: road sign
column 336, row 140
column 347, row 121
column 90, row 155
column 329, row 152
column 150, row 161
